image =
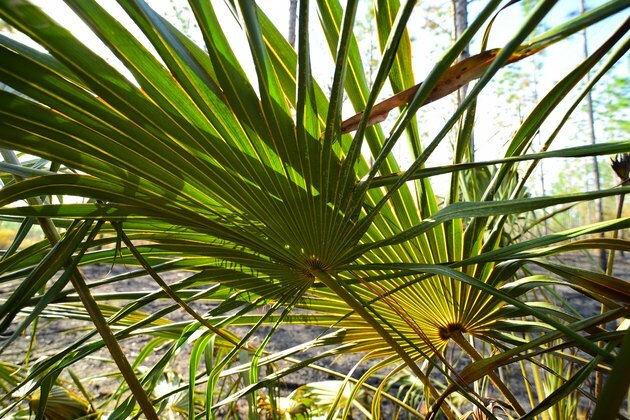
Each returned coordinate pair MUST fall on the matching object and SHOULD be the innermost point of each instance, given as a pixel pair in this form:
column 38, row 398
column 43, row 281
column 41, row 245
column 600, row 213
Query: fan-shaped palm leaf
column 252, row 183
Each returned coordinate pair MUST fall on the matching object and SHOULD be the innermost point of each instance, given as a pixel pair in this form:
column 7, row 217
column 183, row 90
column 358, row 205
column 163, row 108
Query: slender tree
column 460, row 23
column 292, row 19
column 590, row 132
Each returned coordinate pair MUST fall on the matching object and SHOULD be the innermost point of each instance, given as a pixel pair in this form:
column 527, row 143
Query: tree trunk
column 292, row 19
column 460, row 23
column 590, row 132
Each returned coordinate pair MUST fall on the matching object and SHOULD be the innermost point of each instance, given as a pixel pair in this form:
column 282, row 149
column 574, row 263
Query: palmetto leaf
column 251, row 185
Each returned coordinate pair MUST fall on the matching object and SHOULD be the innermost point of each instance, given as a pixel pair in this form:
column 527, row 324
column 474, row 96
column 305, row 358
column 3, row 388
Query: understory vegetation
column 256, row 209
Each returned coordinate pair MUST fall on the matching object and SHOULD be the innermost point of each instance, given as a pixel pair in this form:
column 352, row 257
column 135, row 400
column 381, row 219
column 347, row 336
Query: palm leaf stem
column 476, row 370
column 615, row 235
column 403, row 314
column 341, row 65
column 155, row 276
column 599, row 377
column 82, row 352
column 475, row 356
column 101, row 325
column 333, row 285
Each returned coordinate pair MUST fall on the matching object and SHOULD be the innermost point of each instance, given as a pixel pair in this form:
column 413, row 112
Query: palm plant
column 258, row 189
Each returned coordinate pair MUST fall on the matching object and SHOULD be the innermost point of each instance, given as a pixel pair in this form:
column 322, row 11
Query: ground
column 54, row 335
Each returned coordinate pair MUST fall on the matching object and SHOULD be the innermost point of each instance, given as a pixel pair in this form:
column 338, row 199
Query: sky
column 429, row 37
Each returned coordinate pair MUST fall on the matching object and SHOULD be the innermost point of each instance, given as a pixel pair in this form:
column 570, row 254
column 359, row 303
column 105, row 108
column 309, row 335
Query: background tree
column 590, row 132
column 460, row 23
column 292, row 21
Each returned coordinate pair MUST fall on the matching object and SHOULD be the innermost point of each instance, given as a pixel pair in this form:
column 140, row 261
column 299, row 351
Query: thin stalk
column 539, row 390
column 101, row 325
column 167, row 289
column 475, row 356
column 599, row 376
column 528, row 386
column 615, row 235
column 332, row 284
column 99, row 321
column 599, row 206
